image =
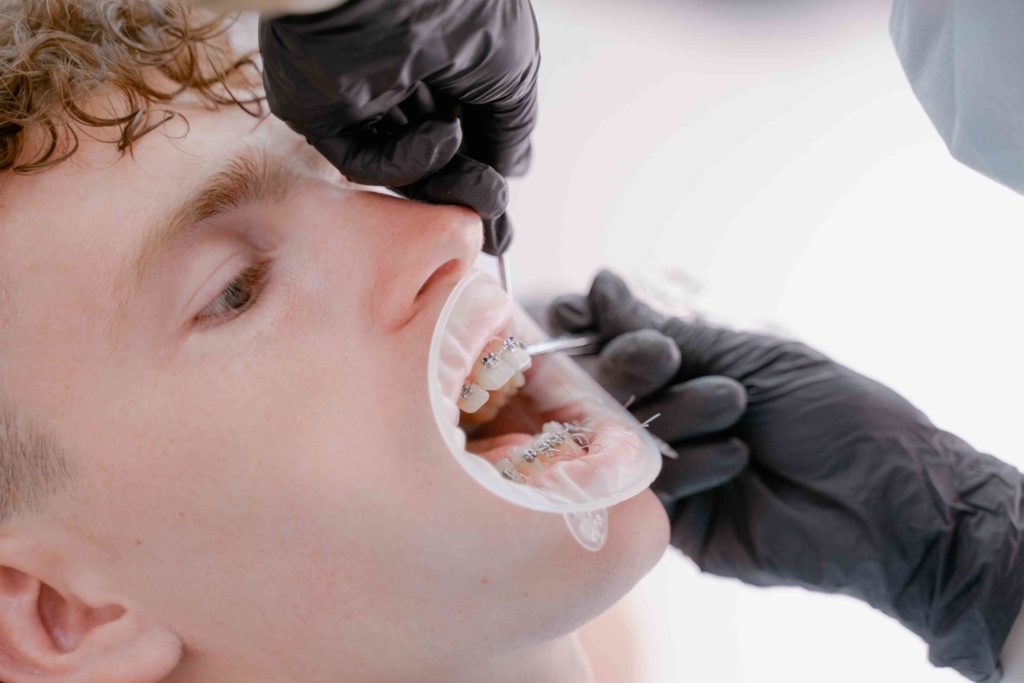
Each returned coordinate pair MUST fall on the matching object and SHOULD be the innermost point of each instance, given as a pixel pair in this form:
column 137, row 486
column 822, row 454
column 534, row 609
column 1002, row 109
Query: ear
column 49, row 637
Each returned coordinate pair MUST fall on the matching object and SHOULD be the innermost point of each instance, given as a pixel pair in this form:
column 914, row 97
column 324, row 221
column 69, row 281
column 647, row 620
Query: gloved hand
column 850, row 488
column 433, row 98
column 633, row 366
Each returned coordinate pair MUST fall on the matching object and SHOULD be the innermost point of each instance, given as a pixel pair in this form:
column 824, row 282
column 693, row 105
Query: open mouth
column 538, row 431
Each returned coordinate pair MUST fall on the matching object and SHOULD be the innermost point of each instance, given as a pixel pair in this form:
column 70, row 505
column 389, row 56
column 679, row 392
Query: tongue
column 494, row 448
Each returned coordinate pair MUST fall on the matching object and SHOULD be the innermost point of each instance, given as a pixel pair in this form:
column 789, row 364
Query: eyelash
column 246, row 286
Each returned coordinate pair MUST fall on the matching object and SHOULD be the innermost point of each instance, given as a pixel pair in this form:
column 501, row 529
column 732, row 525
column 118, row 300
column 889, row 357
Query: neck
column 556, row 661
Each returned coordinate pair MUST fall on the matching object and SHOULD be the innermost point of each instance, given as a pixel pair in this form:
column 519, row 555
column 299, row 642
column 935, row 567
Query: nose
column 423, row 247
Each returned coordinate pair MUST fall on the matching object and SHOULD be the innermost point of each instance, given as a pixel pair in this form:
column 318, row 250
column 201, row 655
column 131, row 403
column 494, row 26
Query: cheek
column 310, row 473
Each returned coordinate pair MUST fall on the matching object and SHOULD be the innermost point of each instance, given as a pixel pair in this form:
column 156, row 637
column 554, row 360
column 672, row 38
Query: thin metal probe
column 573, row 345
column 503, row 272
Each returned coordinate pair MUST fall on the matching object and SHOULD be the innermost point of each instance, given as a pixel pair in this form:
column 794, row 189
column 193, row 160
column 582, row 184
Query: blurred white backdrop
column 774, row 151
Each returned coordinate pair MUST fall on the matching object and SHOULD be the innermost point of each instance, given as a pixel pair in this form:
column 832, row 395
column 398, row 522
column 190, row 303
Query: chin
column 637, row 537
column 638, row 533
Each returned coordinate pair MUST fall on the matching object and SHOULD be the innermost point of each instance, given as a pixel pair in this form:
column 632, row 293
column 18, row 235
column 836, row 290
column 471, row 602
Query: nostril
column 443, row 271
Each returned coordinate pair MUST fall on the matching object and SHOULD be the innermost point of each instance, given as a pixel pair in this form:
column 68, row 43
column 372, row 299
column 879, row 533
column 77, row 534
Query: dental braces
column 547, row 445
column 502, row 370
column 513, row 345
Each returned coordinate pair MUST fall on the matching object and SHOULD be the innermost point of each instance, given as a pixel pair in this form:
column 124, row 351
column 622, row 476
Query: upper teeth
column 472, row 398
column 517, row 352
column 503, row 364
column 495, row 373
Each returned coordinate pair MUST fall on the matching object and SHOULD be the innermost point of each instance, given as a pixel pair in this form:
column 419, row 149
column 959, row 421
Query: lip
column 483, row 312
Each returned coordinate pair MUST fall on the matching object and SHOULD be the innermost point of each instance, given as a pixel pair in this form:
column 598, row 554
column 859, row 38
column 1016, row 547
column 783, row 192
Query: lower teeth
column 556, row 439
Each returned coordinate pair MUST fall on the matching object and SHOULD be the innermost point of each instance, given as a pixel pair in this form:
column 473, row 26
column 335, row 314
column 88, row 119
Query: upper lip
column 473, row 323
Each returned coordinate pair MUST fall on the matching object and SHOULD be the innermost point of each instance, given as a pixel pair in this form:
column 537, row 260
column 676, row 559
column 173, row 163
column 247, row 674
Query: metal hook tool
column 572, row 345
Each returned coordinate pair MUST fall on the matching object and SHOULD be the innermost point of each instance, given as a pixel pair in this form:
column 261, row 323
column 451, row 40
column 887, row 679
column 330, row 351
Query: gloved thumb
column 704, row 349
column 611, row 309
column 571, row 313
column 616, row 311
column 418, row 151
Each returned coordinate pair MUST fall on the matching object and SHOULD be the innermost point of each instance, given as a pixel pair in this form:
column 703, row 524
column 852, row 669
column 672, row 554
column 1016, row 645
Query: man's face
column 247, row 404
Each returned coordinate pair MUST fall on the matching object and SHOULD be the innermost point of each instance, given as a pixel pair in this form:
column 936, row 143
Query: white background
column 774, row 151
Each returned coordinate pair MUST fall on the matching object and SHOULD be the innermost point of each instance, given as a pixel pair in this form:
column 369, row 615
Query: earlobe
column 47, row 637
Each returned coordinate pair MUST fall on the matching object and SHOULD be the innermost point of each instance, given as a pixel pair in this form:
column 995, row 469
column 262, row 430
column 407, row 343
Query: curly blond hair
column 55, row 53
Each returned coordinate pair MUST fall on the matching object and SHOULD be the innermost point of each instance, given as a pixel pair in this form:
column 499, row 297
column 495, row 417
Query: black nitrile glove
column 433, row 98
column 636, row 365
column 850, row 489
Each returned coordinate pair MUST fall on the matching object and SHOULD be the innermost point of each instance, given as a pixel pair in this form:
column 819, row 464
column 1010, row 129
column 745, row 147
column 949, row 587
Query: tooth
column 494, row 373
column 518, row 380
column 472, row 398
column 508, row 471
column 525, row 459
column 535, row 467
column 523, row 454
column 515, row 354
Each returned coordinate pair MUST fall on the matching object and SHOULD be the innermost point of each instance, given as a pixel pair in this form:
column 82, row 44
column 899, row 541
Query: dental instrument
column 570, row 345
column 504, row 274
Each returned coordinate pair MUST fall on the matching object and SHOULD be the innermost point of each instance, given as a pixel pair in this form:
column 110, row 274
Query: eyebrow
column 250, row 176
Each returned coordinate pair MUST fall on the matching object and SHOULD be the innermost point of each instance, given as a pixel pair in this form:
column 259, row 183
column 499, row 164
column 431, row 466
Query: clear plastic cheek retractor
column 535, row 431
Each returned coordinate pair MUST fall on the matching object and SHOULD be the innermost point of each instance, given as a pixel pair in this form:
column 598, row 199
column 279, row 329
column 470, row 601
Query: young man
column 212, row 364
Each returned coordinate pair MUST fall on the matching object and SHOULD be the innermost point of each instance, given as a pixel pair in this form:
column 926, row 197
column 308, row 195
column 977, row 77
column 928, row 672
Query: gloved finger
column 465, row 182
column 418, row 151
column 498, row 133
column 499, row 110
column 637, row 364
column 571, row 313
column 424, row 104
column 705, row 349
column 701, row 406
column 616, row 310
column 497, row 234
column 701, row 467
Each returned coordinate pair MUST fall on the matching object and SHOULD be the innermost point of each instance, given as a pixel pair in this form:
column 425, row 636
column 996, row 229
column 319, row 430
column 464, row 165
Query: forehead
column 93, row 207
column 160, row 167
